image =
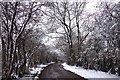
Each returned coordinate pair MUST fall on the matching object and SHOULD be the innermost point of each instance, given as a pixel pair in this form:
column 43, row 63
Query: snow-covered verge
column 39, row 68
column 87, row 73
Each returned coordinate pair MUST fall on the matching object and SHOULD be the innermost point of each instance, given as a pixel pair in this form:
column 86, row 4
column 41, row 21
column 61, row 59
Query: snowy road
column 57, row 71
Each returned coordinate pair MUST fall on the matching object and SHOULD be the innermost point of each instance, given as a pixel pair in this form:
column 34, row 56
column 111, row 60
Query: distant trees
column 67, row 17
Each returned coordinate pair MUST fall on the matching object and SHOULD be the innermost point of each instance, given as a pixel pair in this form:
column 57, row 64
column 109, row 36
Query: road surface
column 57, row 72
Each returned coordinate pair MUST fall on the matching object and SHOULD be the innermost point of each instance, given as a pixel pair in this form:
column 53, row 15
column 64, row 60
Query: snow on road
column 86, row 73
column 39, row 68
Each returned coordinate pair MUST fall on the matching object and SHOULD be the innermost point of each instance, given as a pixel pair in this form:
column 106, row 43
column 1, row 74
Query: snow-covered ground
column 86, row 73
column 39, row 68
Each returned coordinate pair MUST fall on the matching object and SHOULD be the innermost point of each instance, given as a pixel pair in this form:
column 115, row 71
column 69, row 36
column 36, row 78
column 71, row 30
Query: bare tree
column 15, row 17
column 67, row 16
